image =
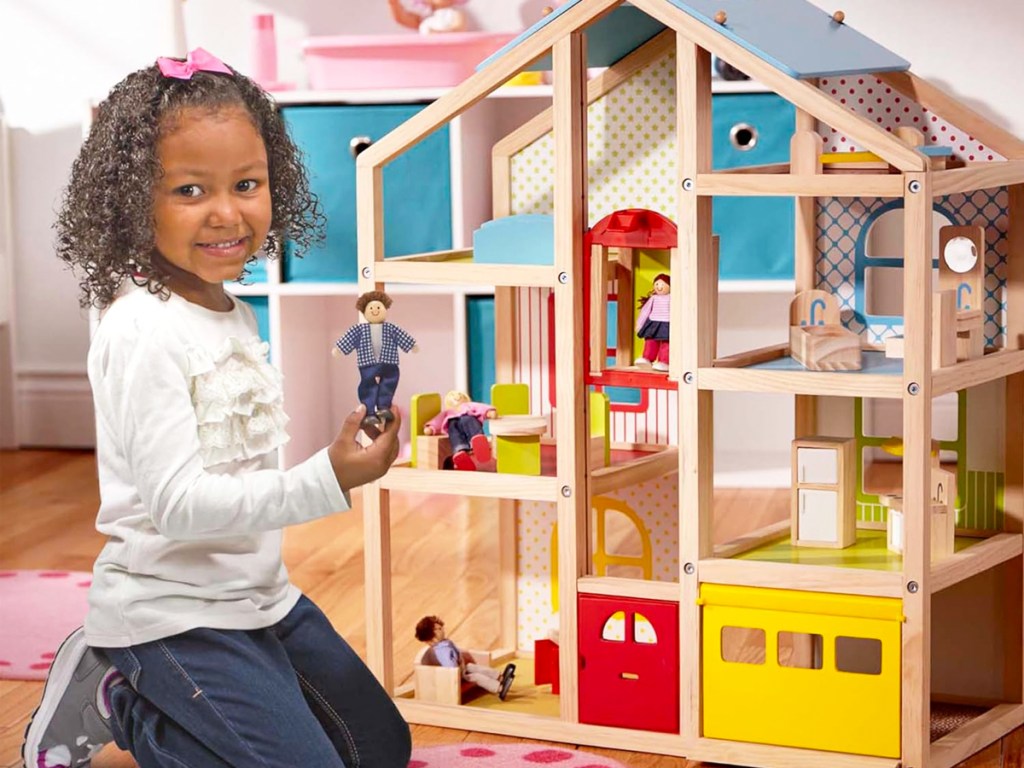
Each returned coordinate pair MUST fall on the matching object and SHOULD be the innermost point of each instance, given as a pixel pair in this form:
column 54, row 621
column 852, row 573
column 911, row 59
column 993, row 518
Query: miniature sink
column 397, row 61
column 825, row 347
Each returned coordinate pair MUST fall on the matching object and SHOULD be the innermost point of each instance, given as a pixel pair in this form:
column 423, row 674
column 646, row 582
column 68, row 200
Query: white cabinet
column 824, row 509
column 817, row 515
column 817, row 465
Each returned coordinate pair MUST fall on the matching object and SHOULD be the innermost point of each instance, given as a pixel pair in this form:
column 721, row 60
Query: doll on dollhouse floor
column 653, row 322
column 462, row 420
column 443, row 652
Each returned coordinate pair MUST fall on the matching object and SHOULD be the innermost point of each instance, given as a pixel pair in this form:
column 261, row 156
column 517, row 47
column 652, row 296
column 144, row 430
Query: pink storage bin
column 397, row 61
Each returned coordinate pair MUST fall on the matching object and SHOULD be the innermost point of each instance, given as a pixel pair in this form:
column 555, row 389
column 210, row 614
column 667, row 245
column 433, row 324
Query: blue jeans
column 293, row 694
column 377, row 385
column 461, row 431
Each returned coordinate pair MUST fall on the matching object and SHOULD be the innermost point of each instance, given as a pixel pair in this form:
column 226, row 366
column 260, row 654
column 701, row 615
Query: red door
column 629, row 663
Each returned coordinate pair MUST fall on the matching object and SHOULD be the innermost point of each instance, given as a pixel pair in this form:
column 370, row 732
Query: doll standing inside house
column 429, row 15
column 444, row 653
column 653, row 322
column 462, row 419
column 376, row 343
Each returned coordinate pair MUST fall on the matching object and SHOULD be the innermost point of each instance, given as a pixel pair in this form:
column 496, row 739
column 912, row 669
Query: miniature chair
column 428, row 451
column 444, row 685
column 516, row 433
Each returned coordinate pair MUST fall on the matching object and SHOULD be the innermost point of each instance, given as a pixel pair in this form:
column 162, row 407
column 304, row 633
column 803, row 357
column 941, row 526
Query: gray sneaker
column 72, row 721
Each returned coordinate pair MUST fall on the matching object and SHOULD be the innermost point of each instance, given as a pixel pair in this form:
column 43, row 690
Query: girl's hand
column 355, row 465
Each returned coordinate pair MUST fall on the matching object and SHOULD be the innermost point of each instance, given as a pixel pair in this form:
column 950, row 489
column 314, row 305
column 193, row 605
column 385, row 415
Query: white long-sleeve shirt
column 188, row 420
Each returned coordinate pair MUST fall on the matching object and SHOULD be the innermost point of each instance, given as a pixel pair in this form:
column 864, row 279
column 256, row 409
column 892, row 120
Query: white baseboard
column 8, row 411
column 55, row 410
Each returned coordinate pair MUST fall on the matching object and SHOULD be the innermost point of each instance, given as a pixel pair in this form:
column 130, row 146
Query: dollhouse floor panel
column 869, row 553
column 871, row 362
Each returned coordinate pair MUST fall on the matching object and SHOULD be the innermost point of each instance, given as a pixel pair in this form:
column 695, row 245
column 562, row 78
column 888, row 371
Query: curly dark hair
column 105, row 224
column 425, row 628
column 364, row 300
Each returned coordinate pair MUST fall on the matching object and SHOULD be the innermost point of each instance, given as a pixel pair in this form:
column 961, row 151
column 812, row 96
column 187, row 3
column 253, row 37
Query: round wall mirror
column 960, row 254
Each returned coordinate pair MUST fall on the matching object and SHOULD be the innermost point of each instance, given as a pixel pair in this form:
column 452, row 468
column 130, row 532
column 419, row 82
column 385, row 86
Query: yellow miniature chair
column 600, row 430
column 443, row 685
column 428, row 451
column 516, row 433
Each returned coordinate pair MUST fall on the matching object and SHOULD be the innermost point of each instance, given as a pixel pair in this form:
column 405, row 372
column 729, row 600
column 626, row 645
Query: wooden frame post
column 917, row 429
column 805, row 158
column 1013, row 497
column 570, row 202
column 693, row 327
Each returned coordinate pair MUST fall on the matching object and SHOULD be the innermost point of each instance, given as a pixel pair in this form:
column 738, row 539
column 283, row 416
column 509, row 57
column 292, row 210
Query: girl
column 197, row 651
column 652, row 323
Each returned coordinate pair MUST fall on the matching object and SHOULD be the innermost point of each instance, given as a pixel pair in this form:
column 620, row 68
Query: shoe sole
column 59, row 676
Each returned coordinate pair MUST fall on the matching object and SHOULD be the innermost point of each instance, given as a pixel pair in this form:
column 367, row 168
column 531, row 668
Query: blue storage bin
column 480, row 346
column 261, row 308
column 755, row 233
column 417, row 187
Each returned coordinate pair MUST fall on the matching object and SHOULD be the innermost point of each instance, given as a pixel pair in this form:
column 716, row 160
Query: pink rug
column 506, row 756
column 38, row 609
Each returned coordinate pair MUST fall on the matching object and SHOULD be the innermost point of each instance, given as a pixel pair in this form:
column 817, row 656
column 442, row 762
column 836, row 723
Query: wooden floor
column 48, row 503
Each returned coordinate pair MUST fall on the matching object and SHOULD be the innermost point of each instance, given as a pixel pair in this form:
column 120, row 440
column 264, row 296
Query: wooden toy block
column 894, row 346
column 444, row 685
column 943, row 531
column 970, row 335
column 823, row 512
column 894, row 529
column 825, row 347
column 517, row 443
column 944, row 329
column 432, row 451
column 423, row 407
column 516, row 433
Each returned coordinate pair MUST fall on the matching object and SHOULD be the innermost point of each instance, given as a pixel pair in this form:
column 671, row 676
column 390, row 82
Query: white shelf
column 352, row 289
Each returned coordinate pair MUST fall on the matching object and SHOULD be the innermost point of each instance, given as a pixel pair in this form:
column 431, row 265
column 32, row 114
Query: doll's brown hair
column 364, row 301
column 425, row 628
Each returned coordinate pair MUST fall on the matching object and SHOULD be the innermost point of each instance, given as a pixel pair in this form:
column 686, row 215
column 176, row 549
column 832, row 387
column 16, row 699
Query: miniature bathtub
column 397, row 61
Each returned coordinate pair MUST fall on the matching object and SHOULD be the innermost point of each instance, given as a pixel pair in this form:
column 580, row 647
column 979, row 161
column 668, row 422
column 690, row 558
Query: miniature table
column 517, row 443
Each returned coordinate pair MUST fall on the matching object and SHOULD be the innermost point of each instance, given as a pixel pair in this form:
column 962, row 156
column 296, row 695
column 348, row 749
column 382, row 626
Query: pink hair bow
column 196, row 61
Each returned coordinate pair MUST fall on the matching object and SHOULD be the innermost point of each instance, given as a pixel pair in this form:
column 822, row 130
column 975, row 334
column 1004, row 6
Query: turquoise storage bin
column 480, row 346
column 417, row 187
column 261, row 308
column 755, row 233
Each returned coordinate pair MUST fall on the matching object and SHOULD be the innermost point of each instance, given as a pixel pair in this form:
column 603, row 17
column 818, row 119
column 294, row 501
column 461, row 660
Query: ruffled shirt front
column 188, row 419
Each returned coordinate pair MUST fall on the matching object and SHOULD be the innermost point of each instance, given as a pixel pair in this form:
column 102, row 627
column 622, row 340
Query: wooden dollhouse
column 789, row 646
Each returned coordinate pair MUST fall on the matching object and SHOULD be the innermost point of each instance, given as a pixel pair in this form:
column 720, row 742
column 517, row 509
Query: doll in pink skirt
column 652, row 324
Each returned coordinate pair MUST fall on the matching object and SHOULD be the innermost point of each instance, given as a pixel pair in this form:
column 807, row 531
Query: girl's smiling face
column 661, row 287
column 211, row 206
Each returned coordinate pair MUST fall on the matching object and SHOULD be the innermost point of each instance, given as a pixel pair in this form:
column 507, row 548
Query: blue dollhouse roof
column 794, row 36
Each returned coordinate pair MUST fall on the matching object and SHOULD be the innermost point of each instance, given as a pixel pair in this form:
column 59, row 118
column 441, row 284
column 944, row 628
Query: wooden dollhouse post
column 506, row 324
column 1013, row 497
column 376, row 501
column 693, row 349
column 569, row 56
column 917, row 428
column 805, row 158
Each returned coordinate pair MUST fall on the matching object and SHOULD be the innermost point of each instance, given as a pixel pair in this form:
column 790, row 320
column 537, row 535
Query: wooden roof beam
column 801, row 94
column 482, row 83
column 956, row 112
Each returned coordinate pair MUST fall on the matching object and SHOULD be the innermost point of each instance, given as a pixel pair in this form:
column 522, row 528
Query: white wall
column 56, row 55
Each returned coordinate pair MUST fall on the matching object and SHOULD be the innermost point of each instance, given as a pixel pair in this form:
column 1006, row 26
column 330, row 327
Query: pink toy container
column 397, row 61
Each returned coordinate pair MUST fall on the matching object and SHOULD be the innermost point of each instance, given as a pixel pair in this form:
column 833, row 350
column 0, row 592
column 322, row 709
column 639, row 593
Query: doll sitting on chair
column 462, row 419
column 444, row 653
